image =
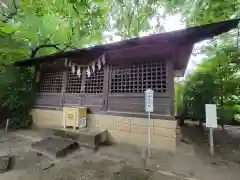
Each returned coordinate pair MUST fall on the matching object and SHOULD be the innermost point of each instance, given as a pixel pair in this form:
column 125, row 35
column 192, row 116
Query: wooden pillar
column 170, row 85
column 37, row 77
column 106, row 86
column 83, row 82
column 64, row 85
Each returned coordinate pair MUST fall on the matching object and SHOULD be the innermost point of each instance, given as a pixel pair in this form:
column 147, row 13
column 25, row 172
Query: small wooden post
column 211, row 141
column 211, row 122
column 144, row 158
column 149, row 109
column 149, row 134
column 6, row 127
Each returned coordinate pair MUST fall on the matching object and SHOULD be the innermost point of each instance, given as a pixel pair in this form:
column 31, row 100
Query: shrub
column 16, row 96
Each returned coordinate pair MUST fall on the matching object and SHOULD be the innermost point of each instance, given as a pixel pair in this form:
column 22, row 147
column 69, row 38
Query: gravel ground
column 81, row 165
column 118, row 162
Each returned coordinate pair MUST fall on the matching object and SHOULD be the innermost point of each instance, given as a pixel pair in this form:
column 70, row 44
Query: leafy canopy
column 58, row 25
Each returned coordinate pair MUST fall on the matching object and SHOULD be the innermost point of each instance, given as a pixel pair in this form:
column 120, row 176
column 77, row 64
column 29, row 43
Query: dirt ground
column 124, row 162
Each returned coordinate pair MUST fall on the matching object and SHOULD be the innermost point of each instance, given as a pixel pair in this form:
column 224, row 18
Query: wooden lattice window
column 73, row 83
column 94, row 83
column 51, row 82
column 139, row 77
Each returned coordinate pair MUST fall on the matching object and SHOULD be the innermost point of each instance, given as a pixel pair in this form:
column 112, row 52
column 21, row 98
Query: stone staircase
column 55, row 142
column 86, row 137
column 61, row 142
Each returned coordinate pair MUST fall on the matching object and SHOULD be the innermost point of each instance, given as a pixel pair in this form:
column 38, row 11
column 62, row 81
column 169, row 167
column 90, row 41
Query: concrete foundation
column 120, row 129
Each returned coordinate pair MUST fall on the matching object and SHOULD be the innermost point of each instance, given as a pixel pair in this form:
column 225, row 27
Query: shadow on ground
column 227, row 142
column 124, row 161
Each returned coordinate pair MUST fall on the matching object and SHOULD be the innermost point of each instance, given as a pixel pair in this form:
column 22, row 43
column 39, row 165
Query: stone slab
column 55, row 147
column 92, row 138
column 86, row 137
column 4, row 163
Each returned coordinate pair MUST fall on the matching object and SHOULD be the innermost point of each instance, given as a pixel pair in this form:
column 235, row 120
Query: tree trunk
column 223, row 130
column 181, row 121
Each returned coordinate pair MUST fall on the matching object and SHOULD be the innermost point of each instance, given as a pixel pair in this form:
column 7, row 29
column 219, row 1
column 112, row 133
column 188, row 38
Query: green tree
column 33, row 28
column 16, row 96
column 131, row 17
column 27, row 26
column 216, row 80
column 197, row 12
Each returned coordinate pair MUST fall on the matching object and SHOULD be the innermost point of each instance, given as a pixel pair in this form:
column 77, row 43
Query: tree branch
column 45, row 45
column 131, row 17
column 85, row 4
column 34, row 51
column 75, row 9
column 47, row 39
column 69, row 45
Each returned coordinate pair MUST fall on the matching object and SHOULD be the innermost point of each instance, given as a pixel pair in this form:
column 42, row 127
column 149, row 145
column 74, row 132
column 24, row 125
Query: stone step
column 86, row 137
column 4, row 163
column 55, row 147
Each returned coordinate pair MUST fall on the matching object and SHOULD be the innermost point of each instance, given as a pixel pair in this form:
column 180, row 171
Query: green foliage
column 26, row 24
column 17, row 96
column 179, row 102
column 72, row 23
column 69, row 24
column 216, row 80
column 197, row 12
column 130, row 17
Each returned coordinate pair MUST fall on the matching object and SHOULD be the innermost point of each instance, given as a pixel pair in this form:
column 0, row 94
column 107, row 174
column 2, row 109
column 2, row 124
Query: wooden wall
column 106, row 102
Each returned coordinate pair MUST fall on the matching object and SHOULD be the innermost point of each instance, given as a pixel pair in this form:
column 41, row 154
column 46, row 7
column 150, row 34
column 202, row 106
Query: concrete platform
column 86, row 137
column 55, row 147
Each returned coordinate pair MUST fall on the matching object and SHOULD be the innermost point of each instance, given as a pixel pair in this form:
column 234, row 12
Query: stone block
column 123, row 127
column 4, row 163
column 45, row 118
column 121, row 119
column 140, row 121
column 104, row 121
column 171, row 124
column 158, row 142
column 54, row 147
column 92, row 138
column 140, row 129
column 166, row 132
column 91, row 121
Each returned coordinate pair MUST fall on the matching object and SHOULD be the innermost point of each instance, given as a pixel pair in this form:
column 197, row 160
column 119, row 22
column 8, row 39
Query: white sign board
column 149, row 100
column 211, row 115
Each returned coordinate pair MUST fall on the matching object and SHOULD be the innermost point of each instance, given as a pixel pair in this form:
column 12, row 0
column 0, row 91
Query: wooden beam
column 64, row 86
column 170, row 85
column 83, row 82
column 106, row 86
